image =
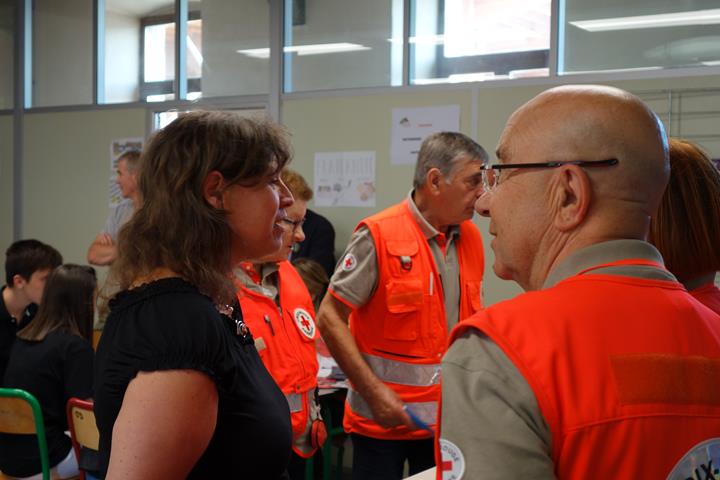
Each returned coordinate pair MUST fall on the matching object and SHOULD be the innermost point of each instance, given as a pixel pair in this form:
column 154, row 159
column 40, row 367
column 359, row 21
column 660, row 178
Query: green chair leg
column 310, row 468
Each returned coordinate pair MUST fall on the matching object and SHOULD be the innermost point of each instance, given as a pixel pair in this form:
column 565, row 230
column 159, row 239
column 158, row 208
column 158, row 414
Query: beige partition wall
column 6, row 184
column 362, row 122
column 66, row 174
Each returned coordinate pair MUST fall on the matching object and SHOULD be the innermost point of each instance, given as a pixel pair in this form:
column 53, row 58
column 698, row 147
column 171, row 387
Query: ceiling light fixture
column 678, row 19
column 317, row 49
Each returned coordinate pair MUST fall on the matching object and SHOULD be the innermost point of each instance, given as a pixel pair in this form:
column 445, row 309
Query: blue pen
column 416, row 420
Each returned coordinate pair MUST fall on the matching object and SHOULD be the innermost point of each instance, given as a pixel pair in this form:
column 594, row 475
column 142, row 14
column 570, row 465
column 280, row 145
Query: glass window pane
column 7, row 53
column 332, row 44
column 139, row 50
column 476, row 40
column 62, row 52
column 220, row 35
column 638, row 34
column 122, row 50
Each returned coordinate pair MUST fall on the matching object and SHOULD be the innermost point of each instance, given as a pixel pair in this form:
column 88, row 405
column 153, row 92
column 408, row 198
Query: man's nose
column 482, row 204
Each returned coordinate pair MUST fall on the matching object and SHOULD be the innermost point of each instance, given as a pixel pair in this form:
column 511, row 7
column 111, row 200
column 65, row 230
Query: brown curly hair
column 175, row 227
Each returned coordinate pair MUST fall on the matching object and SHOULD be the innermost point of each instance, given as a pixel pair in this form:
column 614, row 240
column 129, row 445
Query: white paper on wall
column 410, row 126
column 345, row 179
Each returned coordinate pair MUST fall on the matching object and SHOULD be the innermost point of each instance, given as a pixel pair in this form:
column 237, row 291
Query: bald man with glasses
column 606, row 367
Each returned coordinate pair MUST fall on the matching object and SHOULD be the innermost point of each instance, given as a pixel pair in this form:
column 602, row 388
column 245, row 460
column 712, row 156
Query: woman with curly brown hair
column 180, row 388
column 686, row 228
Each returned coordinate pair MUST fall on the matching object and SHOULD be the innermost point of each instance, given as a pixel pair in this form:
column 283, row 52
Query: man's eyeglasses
column 492, row 174
column 294, row 224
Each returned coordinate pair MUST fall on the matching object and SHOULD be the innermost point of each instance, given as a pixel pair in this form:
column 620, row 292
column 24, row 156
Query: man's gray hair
column 442, row 150
column 132, row 159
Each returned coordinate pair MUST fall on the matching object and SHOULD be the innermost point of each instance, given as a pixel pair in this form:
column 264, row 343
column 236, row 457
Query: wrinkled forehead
column 520, row 133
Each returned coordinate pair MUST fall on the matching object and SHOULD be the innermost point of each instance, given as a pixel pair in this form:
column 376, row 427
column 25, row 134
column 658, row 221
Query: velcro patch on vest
column 663, row 378
column 452, row 461
column 260, row 344
column 702, row 462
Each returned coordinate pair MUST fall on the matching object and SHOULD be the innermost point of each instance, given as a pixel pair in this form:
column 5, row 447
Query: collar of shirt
column 606, row 252
column 264, row 282
column 27, row 314
column 428, row 230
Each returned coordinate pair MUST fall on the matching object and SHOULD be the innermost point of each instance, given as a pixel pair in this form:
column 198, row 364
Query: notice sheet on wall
column 410, row 126
column 345, row 179
column 117, row 148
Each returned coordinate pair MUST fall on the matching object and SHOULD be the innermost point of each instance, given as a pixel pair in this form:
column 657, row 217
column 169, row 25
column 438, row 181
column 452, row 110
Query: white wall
column 6, row 183
column 66, row 174
column 7, row 52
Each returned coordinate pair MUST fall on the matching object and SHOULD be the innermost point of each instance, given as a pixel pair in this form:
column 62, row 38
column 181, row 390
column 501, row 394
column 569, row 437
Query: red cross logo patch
column 304, row 322
column 349, row 263
column 452, row 461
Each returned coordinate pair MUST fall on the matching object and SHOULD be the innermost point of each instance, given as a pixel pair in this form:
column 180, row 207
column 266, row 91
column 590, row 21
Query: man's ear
column 212, row 189
column 572, row 197
column 433, row 179
column 18, row 281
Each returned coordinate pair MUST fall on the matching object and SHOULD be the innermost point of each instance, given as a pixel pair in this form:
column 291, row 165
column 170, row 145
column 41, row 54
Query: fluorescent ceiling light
column 695, row 17
column 317, row 49
column 422, row 40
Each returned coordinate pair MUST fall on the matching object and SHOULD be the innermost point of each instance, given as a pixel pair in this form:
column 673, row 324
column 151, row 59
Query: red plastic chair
column 83, row 430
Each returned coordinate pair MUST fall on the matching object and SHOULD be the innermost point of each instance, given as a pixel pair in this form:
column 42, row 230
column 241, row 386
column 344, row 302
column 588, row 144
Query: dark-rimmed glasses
column 294, row 224
column 491, row 174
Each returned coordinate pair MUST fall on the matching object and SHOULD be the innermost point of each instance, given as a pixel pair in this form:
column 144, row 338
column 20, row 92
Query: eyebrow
column 501, row 152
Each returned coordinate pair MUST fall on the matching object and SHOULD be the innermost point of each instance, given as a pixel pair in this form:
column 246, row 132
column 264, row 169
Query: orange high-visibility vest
column 285, row 339
column 709, row 295
column 402, row 330
column 625, row 371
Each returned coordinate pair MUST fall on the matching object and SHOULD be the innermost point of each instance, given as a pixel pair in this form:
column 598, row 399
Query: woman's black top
column 53, row 370
column 169, row 325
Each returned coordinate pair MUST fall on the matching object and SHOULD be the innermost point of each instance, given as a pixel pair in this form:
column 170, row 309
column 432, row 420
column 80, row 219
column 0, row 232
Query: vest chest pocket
column 404, row 299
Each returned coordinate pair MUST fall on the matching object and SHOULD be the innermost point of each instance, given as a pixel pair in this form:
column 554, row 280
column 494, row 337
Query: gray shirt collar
column 611, row 251
column 428, row 230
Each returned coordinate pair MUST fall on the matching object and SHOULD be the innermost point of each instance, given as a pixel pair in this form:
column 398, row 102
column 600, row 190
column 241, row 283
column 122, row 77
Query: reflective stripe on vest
column 425, row 411
column 295, row 400
column 403, row 373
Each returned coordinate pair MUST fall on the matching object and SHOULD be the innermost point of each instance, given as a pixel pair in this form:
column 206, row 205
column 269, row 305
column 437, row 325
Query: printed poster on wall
column 345, row 179
column 410, row 126
column 117, row 148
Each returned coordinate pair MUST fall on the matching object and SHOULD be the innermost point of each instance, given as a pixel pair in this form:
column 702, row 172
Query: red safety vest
column 402, row 330
column 624, row 370
column 285, row 339
column 709, row 295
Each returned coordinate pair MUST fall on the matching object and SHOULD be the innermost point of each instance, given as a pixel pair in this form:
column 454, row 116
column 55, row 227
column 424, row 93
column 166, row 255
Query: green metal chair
column 20, row 414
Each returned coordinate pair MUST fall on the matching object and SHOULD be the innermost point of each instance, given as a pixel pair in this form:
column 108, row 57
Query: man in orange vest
column 279, row 311
column 406, row 277
column 606, row 367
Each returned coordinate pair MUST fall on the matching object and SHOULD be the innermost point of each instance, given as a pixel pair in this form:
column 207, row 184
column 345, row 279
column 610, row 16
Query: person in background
column 103, row 249
column 600, row 369
column 278, row 309
column 319, row 241
column 27, row 266
column 181, row 391
column 686, row 228
column 53, row 360
column 408, row 275
column 314, row 277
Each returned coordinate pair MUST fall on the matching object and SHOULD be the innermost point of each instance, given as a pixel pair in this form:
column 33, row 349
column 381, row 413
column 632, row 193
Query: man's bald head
column 591, row 122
